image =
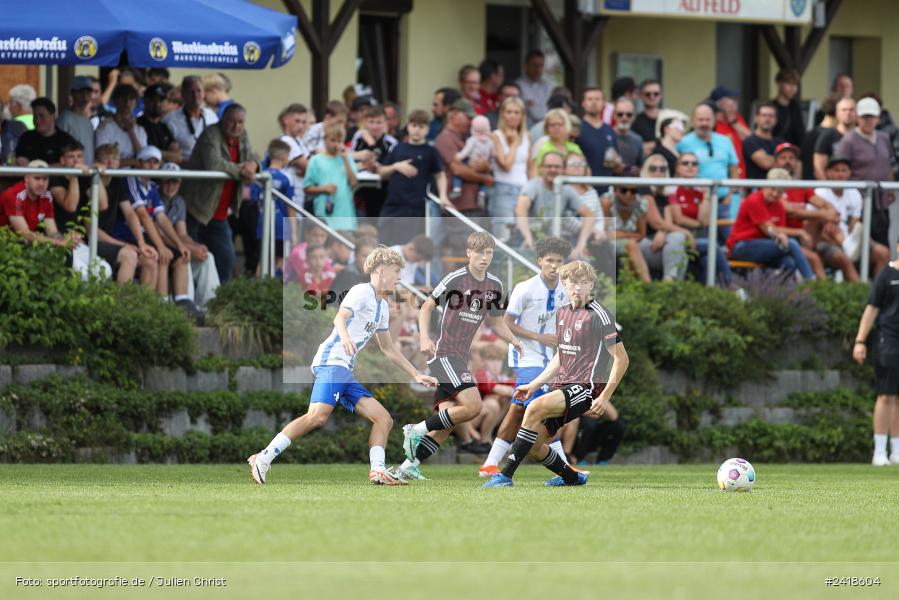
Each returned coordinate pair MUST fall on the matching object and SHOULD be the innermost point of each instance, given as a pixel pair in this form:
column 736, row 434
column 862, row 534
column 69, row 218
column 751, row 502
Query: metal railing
column 713, row 184
column 96, row 174
column 333, row 232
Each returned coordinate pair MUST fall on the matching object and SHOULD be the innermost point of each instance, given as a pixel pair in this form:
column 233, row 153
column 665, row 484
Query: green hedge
column 114, row 331
column 82, row 414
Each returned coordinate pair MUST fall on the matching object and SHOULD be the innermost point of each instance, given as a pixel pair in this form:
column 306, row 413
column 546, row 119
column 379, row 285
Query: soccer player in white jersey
column 363, row 314
column 531, row 316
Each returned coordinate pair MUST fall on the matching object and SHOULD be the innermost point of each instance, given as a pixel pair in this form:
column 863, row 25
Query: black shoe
column 469, row 447
column 481, row 447
column 192, row 311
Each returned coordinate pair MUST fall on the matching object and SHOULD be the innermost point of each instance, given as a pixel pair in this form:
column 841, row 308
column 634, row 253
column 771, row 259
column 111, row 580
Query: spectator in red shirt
column 317, row 278
column 805, row 210
column 492, row 76
column 729, row 121
column 760, row 233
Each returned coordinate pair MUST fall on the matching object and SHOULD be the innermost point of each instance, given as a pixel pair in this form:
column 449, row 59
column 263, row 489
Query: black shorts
column 578, row 399
column 886, row 372
column 109, row 253
column 453, row 374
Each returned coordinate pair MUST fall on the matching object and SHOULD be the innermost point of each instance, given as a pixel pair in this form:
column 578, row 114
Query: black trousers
column 598, row 434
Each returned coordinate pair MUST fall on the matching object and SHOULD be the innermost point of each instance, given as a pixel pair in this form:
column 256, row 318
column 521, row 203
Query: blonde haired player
column 363, row 314
column 587, row 343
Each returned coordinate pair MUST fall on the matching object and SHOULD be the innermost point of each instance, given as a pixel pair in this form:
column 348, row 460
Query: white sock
column 407, row 463
column 181, row 297
column 497, row 452
column 880, row 443
column 420, row 428
column 557, row 446
column 376, row 457
column 894, row 444
column 275, row 447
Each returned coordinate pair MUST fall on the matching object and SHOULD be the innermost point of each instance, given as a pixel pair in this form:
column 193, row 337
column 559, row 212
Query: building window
column 638, row 66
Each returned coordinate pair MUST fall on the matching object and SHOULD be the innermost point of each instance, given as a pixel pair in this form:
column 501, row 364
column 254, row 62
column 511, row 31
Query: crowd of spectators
column 489, row 148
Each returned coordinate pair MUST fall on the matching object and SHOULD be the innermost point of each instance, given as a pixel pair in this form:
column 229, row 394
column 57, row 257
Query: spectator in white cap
column 204, row 278
column 869, row 152
column 76, row 120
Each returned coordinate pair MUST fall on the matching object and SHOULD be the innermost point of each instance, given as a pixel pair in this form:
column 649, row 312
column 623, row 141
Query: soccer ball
column 736, row 475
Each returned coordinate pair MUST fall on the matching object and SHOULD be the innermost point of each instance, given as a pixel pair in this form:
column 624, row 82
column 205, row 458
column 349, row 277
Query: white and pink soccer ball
column 736, row 475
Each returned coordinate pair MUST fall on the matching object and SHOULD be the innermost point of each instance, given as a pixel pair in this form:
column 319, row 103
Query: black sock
column 427, row 447
column 554, row 463
column 441, row 420
column 523, row 443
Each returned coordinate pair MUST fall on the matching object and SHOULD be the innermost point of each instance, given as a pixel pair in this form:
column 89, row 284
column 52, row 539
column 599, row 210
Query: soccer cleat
column 488, row 471
column 880, row 459
column 576, row 470
column 258, row 469
column 410, row 441
column 499, row 480
column 557, row 481
column 381, row 476
column 410, row 473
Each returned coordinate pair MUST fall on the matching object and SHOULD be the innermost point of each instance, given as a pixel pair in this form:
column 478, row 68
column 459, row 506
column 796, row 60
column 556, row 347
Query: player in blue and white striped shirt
column 531, row 316
column 363, row 314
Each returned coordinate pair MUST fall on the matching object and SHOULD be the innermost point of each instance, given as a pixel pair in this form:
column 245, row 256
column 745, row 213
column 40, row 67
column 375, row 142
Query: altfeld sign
column 754, row 11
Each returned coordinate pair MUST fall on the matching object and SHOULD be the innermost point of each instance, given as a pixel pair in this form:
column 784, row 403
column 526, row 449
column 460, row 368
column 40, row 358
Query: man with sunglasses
column 645, row 123
column 630, row 145
column 717, row 157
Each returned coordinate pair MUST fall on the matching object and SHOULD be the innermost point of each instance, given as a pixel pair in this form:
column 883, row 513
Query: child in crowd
column 330, row 179
column 278, row 156
column 318, row 278
column 370, row 145
column 479, row 146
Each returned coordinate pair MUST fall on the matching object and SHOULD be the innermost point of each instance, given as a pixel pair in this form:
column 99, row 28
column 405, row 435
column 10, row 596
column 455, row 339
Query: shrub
column 249, row 312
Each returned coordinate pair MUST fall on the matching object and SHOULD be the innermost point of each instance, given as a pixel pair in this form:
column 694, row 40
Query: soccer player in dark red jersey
column 468, row 296
column 587, row 343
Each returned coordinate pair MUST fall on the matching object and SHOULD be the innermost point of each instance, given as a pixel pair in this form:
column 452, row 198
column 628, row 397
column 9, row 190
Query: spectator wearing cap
column 449, row 143
column 188, row 124
column 158, row 133
column 20, row 98
column 870, row 152
column 216, row 92
column 846, row 118
column 806, row 210
column 203, row 279
column 671, row 132
column 789, row 113
column 760, row 233
column 630, row 145
column 76, row 120
column 45, row 142
column 645, row 122
column 492, row 76
column 760, row 148
column 597, row 140
column 717, row 156
column 443, row 99
column 10, row 132
column 509, row 89
column 223, row 146
column 535, row 89
column 729, row 121
column 122, row 128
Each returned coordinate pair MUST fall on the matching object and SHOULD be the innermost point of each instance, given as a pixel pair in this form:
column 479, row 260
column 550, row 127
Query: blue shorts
column 524, row 376
column 335, row 384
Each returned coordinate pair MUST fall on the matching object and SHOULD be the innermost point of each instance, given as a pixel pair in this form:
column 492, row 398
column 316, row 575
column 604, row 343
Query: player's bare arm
column 424, row 322
column 620, row 362
column 505, row 334
column 388, row 347
column 340, row 323
column 547, row 339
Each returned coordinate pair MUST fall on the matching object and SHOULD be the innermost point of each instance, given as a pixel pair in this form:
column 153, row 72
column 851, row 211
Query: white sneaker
column 258, row 469
column 880, row 459
column 381, row 476
column 852, row 245
column 894, row 457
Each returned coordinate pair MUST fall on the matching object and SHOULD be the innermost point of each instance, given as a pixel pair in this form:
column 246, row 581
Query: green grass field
column 632, row 532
